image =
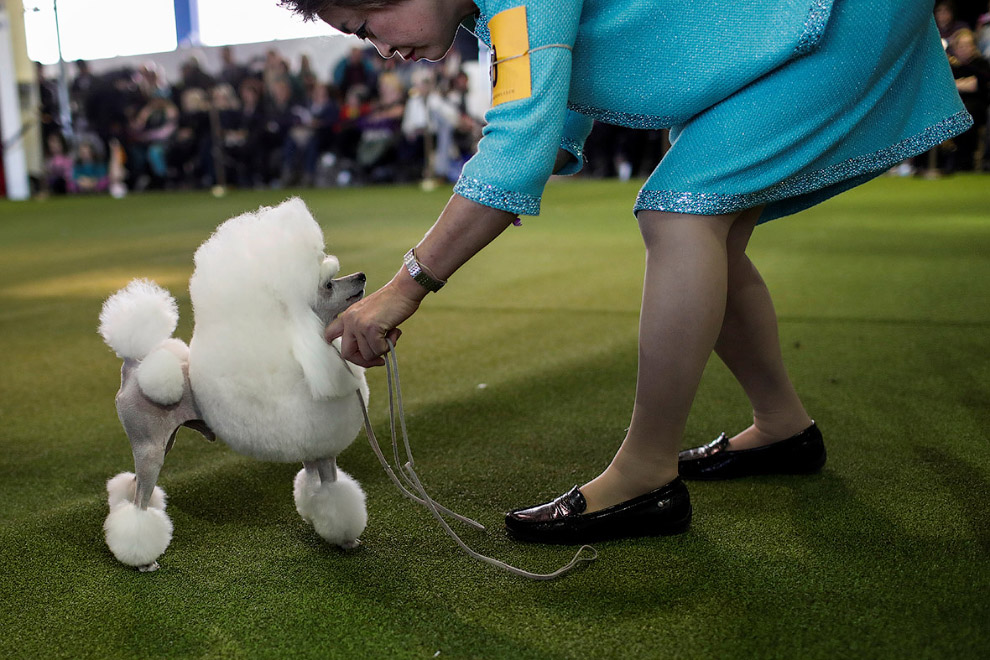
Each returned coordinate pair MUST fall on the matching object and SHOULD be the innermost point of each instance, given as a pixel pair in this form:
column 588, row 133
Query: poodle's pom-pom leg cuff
column 122, row 487
column 336, row 510
column 137, row 537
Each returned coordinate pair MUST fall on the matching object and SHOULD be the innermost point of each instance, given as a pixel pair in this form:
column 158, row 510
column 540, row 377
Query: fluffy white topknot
column 137, row 318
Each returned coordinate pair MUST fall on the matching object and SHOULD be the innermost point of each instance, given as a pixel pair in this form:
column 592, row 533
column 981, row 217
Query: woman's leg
column 749, row 346
column 684, row 299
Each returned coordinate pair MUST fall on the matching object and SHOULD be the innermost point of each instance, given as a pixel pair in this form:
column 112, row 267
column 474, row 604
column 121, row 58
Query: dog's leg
column 322, row 471
column 137, row 529
column 149, row 456
column 331, row 501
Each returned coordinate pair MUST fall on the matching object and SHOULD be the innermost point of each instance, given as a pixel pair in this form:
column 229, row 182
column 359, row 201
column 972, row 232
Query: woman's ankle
column 762, row 433
column 612, row 487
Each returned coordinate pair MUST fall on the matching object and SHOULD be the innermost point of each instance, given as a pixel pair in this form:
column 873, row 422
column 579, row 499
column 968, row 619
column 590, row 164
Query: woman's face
column 415, row 29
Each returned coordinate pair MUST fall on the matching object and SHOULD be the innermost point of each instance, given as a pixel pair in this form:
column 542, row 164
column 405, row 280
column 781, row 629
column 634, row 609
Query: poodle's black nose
column 360, row 277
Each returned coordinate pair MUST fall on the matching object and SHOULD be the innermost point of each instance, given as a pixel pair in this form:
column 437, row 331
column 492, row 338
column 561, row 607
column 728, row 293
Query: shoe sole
column 678, row 527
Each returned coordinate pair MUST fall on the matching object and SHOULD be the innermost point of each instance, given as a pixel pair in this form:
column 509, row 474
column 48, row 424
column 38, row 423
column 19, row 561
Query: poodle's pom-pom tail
column 121, row 488
column 160, row 374
column 336, row 510
column 137, row 318
column 137, row 537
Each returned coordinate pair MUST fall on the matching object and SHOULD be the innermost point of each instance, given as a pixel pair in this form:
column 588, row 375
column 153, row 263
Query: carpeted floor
column 518, row 379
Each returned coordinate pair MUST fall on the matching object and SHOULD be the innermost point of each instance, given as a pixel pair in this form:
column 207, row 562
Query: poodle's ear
column 326, row 373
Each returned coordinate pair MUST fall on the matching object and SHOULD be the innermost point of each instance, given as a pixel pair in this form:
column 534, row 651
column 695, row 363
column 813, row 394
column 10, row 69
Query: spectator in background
column 246, row 141
column 150, row 133
column 58, row 164
column 227, row 133
column 945, row 18
column 192, row 76
column 48, row 106
column 113, row 102
column 305, row 78
column 310, row 136
column 79, row 91
column 983, row 33
column 422, row 121
column 377, row 150
column 189, row 158
column 231, row 73
column 467, row 128
column 972, row 73
column 355, row 69
column 280, row 117
column 89, row 174
column 151, row 80
column 357, row 104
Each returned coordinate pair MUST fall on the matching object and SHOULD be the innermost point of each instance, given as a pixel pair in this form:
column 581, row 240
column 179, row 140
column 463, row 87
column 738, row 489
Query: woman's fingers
column 365, row 325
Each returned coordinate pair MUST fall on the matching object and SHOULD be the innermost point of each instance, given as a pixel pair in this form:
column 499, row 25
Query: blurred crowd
column 262, row 123
column 266, row 123
column 968, row 49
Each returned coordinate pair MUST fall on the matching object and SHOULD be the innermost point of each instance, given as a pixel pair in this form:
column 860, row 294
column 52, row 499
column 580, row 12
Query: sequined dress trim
column 628, row 119
column 499, row 198
column 574, row 147
column 698, row 203
column 814, row 27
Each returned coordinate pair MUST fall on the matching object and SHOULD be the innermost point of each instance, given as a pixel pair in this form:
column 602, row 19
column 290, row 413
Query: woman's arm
column 462, row 230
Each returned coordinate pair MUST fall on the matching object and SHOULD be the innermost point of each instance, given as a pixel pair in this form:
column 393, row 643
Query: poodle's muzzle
column 336, row 295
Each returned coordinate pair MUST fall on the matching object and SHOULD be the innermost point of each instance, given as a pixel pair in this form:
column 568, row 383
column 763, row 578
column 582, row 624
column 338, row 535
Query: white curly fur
column 336, row 510
column 137, row 318
column 253, row 289
column 121, row 488
column 137, row 537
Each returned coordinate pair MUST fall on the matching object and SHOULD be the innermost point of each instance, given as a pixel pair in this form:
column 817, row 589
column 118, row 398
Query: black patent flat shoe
column 803, row 453
column 664, row 511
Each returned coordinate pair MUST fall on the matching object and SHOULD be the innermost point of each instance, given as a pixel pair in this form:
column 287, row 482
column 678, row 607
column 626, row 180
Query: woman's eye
column 362, row 32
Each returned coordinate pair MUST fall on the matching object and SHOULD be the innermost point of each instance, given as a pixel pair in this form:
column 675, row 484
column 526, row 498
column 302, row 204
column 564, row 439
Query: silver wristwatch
column 421, row 273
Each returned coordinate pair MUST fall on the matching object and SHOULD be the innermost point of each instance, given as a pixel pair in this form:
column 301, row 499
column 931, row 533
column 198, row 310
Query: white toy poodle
column 257, row 373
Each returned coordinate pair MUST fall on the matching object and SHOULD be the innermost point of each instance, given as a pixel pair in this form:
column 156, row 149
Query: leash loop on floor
column 585, row 553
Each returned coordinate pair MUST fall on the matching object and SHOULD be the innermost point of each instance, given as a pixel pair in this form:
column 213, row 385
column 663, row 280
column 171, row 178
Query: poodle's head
column 336, row 294
column 269, row 260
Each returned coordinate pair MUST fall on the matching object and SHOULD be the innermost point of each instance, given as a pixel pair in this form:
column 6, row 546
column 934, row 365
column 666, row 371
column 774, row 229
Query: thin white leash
column 412, row 479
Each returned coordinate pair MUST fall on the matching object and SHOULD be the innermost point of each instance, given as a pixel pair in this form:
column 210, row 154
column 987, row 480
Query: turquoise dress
column 784, row 103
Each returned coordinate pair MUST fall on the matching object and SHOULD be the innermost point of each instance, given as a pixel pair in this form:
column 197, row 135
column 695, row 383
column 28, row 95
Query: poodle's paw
column 137, row 537
column 351, row 545
column 122, row 487
column 336, row 510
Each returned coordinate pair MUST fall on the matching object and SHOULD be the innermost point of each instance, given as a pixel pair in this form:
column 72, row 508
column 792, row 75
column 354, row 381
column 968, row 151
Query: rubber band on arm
column 527, row 52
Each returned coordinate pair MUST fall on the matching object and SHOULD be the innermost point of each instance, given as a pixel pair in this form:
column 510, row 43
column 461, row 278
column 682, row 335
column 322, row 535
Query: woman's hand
column 364, row 325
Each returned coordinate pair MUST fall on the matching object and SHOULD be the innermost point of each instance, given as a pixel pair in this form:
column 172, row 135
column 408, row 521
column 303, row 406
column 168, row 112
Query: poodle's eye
column 328, row 285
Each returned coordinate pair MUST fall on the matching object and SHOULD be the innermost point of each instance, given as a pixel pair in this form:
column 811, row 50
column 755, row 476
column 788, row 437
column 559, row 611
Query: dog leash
column 408, row 473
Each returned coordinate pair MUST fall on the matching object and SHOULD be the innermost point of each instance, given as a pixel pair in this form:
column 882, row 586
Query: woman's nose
column 383, row 48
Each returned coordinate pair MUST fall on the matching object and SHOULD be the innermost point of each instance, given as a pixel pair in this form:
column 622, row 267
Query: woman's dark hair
column 310, row 9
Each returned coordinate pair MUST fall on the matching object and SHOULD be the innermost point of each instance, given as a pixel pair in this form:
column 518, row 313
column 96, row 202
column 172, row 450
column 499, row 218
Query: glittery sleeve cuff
column 497, row 198
column 577, row 127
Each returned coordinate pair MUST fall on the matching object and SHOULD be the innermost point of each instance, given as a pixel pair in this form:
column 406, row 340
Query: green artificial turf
column 883, row 299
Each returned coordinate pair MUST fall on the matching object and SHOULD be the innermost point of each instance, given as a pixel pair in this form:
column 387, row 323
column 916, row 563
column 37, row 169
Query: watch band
column 421, row 273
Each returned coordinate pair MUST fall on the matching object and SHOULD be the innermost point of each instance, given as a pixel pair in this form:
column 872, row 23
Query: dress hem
column 704, row 203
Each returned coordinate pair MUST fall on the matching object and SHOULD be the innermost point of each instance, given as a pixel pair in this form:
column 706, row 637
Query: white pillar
column 14, row 154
